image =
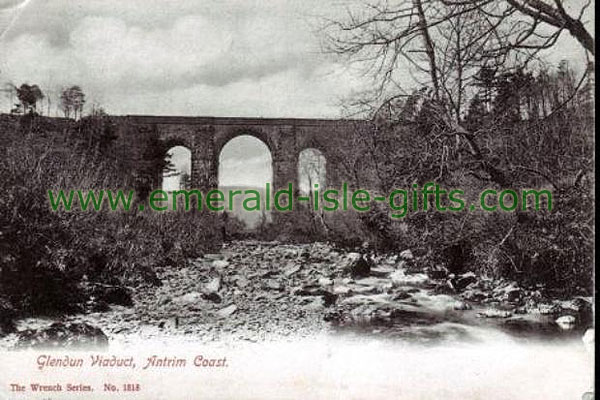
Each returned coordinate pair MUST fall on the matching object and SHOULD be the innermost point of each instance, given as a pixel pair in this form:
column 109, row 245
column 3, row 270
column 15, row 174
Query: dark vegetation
column 483, row 110
column 56, row 262
column 412, row 145
column 486, row 112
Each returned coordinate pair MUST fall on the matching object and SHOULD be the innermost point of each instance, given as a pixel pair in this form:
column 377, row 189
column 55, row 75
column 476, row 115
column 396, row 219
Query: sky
column 254, row 58
column 191, row 57
column 244, row 161
column 246, row 58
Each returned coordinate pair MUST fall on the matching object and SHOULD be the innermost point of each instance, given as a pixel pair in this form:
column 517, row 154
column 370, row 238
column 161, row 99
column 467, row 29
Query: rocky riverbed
column 257, row 291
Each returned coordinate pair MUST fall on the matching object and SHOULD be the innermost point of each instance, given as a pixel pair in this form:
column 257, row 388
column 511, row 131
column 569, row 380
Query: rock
column 438, row 273
column 314, row 290
column 400, row 278
column 220, row 264
column 461, row 282
column 242, row 282
column 340, row 289
column 213, row 286
column 582, row 307
column 382, row 271
column 401, row 295
column 365, row 289
column 315, row 304
column 333, row 316
column 97, row 305
column 291, row 270
column 358, row 265
column 372, row 281
column 188, row 298
column 510, row 292
column 473, row 295
column 272, row 284
column 391, row 260
column 545, row 309
column 493, row 313
column 407, row 255
column 74, row 335
column 444, row 288
column 212, row 296
column 361, row 299
column 363, row 312
column 566, row 322
column 325, row 282
column 227, row 311
column 461, row 306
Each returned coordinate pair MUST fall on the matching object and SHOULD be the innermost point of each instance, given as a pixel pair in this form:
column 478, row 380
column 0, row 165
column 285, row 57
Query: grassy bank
column 57, row 262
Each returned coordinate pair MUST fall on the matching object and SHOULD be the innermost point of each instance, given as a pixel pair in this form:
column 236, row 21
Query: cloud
column 235, row 60
column 245, row 161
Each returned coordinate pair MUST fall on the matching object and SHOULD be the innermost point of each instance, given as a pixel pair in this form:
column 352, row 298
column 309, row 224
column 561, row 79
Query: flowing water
column 277, row 341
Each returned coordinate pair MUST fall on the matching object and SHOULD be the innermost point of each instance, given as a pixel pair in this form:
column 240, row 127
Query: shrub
column 53, row 261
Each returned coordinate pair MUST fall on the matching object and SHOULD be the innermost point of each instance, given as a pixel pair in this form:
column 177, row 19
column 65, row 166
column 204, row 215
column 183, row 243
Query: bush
column 53, row 261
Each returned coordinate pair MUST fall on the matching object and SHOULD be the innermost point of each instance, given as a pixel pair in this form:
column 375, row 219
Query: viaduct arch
column 284, row 137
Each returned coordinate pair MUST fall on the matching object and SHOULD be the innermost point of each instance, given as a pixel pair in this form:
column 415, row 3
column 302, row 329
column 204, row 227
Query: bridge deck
column 170, row 120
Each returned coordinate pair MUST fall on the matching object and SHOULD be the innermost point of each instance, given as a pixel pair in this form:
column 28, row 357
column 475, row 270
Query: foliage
column 72, row 100
column 52, row 262
column 29, row 95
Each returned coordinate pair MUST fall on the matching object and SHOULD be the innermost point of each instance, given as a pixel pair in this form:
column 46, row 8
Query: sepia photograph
column 286, row 199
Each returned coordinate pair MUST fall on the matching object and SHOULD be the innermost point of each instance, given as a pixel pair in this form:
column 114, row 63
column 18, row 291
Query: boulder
column 407, row 255
column 510, row 292
column 213, row 286
column 213, row 296
column 582, row 307
column 59, row 334
column 272, row 284
column 220, row 264
column 358, row 267
column 316, row 290
column 382, row 271
column 325, row 281
column 401, row 295
column 400, row 278
column 227, row 311
column 473, row 295
column 462, row 281
column 188, row 299
column 545, row 309
column 291, row 269
column 438, row 273
column 241, row 282
column 566, row 322
column 461, row 306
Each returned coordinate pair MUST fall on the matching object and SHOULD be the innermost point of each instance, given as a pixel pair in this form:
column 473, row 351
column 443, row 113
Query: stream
column 300, row 298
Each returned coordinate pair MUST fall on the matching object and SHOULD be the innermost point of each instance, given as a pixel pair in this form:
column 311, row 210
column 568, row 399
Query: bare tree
column 312, row 170
column 555, row 15
column 445, row 44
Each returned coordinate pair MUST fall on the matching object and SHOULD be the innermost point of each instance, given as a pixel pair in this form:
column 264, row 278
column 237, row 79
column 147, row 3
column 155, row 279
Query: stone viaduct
column 285, row 138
